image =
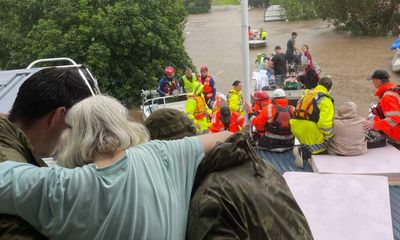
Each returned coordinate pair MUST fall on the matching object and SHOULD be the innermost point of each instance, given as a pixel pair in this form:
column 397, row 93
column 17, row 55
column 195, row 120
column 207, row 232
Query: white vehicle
column 275, row 13
column 11, row 80
column 396, row 61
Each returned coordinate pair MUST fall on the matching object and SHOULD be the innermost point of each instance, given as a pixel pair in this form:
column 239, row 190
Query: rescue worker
column 220, row 101
column 188, row 79
column 313, row 120
column 197, row 109
column 209, row 90
column 235, row 98
column 387, row 113
column 168, row 83
column 226, row 120
column 263, row 34
column 261, row 99
column 273, row 124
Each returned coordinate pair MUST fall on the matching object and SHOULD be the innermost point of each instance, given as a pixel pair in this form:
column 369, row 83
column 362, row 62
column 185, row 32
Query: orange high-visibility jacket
column 235, row 124
column 268, row 114
column 389, row 104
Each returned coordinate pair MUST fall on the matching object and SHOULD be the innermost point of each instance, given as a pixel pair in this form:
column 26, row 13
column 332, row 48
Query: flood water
column 214, row 40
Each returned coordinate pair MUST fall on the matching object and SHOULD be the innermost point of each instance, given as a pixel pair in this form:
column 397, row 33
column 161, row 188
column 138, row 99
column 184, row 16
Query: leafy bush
column 197, row 6
column 298, row 9
column 126, row 44
column 368, row 17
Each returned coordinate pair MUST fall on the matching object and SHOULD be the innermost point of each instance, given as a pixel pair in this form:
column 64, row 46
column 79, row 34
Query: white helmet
column 278, row 93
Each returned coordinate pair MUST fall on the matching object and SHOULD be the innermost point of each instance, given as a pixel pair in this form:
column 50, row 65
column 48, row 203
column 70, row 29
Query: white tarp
column 343, row 207
column 383, row 161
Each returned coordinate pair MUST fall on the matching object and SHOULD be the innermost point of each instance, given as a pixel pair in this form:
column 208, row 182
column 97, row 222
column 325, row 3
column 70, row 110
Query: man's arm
column 159, row 89
column 214, row 93
column 210, row 140
column 326, row 115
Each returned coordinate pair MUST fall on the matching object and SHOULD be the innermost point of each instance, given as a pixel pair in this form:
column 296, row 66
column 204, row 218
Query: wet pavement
column 214, row 40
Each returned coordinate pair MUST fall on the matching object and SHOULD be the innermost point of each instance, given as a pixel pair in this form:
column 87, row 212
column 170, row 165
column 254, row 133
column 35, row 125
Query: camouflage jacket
column 248, row 201
column 15, row 146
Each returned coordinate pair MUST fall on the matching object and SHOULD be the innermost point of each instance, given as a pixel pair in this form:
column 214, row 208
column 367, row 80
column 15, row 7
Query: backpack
column 281, row 123
column 307, row 107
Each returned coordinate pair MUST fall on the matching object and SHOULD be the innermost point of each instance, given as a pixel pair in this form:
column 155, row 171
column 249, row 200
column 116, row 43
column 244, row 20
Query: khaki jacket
column 16, row 147
column 349, row 136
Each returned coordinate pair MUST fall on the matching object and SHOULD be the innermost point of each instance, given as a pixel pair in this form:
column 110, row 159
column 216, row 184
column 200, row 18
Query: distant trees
column 197, row 6
column 298, row 9
column 367, row 17
column 126, row 44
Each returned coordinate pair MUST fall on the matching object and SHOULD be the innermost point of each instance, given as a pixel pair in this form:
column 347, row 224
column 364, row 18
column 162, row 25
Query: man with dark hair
column 33, row 127
column 291, row 47
column 279, row 65
column 387, row 113
column 312, row 124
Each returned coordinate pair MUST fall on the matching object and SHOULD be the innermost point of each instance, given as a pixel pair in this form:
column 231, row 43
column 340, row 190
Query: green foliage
column 225, row 2
column 298, row 9
column 258, row 3
column 197, row 6
column 127, row 44
column 367, row 17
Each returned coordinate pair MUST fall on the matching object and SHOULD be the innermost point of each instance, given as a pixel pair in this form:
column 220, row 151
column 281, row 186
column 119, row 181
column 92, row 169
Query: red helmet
column 169, row 70
column 261, row 95
column 203, row 68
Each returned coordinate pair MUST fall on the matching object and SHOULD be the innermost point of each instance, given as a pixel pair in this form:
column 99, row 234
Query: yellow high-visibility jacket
column 311, row 134
column 235, row 101
column 198, row 111
column 188, row 83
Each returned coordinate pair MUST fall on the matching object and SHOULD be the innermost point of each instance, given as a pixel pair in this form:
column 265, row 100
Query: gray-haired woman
column 119, row 187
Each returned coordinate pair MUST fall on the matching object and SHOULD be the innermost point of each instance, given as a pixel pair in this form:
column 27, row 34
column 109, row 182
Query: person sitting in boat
column 291, row 82
column 208, row 82
column 235, row 98
column 263, row 34
column 312, row 123
column 197, row 109
column 220, row 101
column 188, row 79
column 273, row 124
column 168, row 83
column 310, row 76
column 349, row 135
column 261, row 99
column 387, row 113
column 225, row 120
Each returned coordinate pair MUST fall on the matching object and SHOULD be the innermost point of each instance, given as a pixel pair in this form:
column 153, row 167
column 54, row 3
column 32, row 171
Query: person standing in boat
column 291, row 48
column 208, row 82
column 188, row 79
column 279, row 65
column 168, row 83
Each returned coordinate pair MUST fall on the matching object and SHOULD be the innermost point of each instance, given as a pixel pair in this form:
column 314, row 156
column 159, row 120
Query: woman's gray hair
column 98, row 125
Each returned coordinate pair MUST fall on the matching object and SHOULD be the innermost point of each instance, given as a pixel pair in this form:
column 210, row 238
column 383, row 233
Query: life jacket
column 170, row 85
column 281, row 123
column 207, row 90
column 307, row 107
column 278, row 137
column 201, row 106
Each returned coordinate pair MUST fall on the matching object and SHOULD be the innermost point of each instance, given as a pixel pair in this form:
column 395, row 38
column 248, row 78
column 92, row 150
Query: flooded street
column 214, row 40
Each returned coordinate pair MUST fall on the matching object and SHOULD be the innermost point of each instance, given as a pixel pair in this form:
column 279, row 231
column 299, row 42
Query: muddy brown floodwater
column 214, row 40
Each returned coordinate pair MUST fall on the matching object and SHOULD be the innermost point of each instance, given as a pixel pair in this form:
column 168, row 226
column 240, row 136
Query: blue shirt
column 145, row 195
